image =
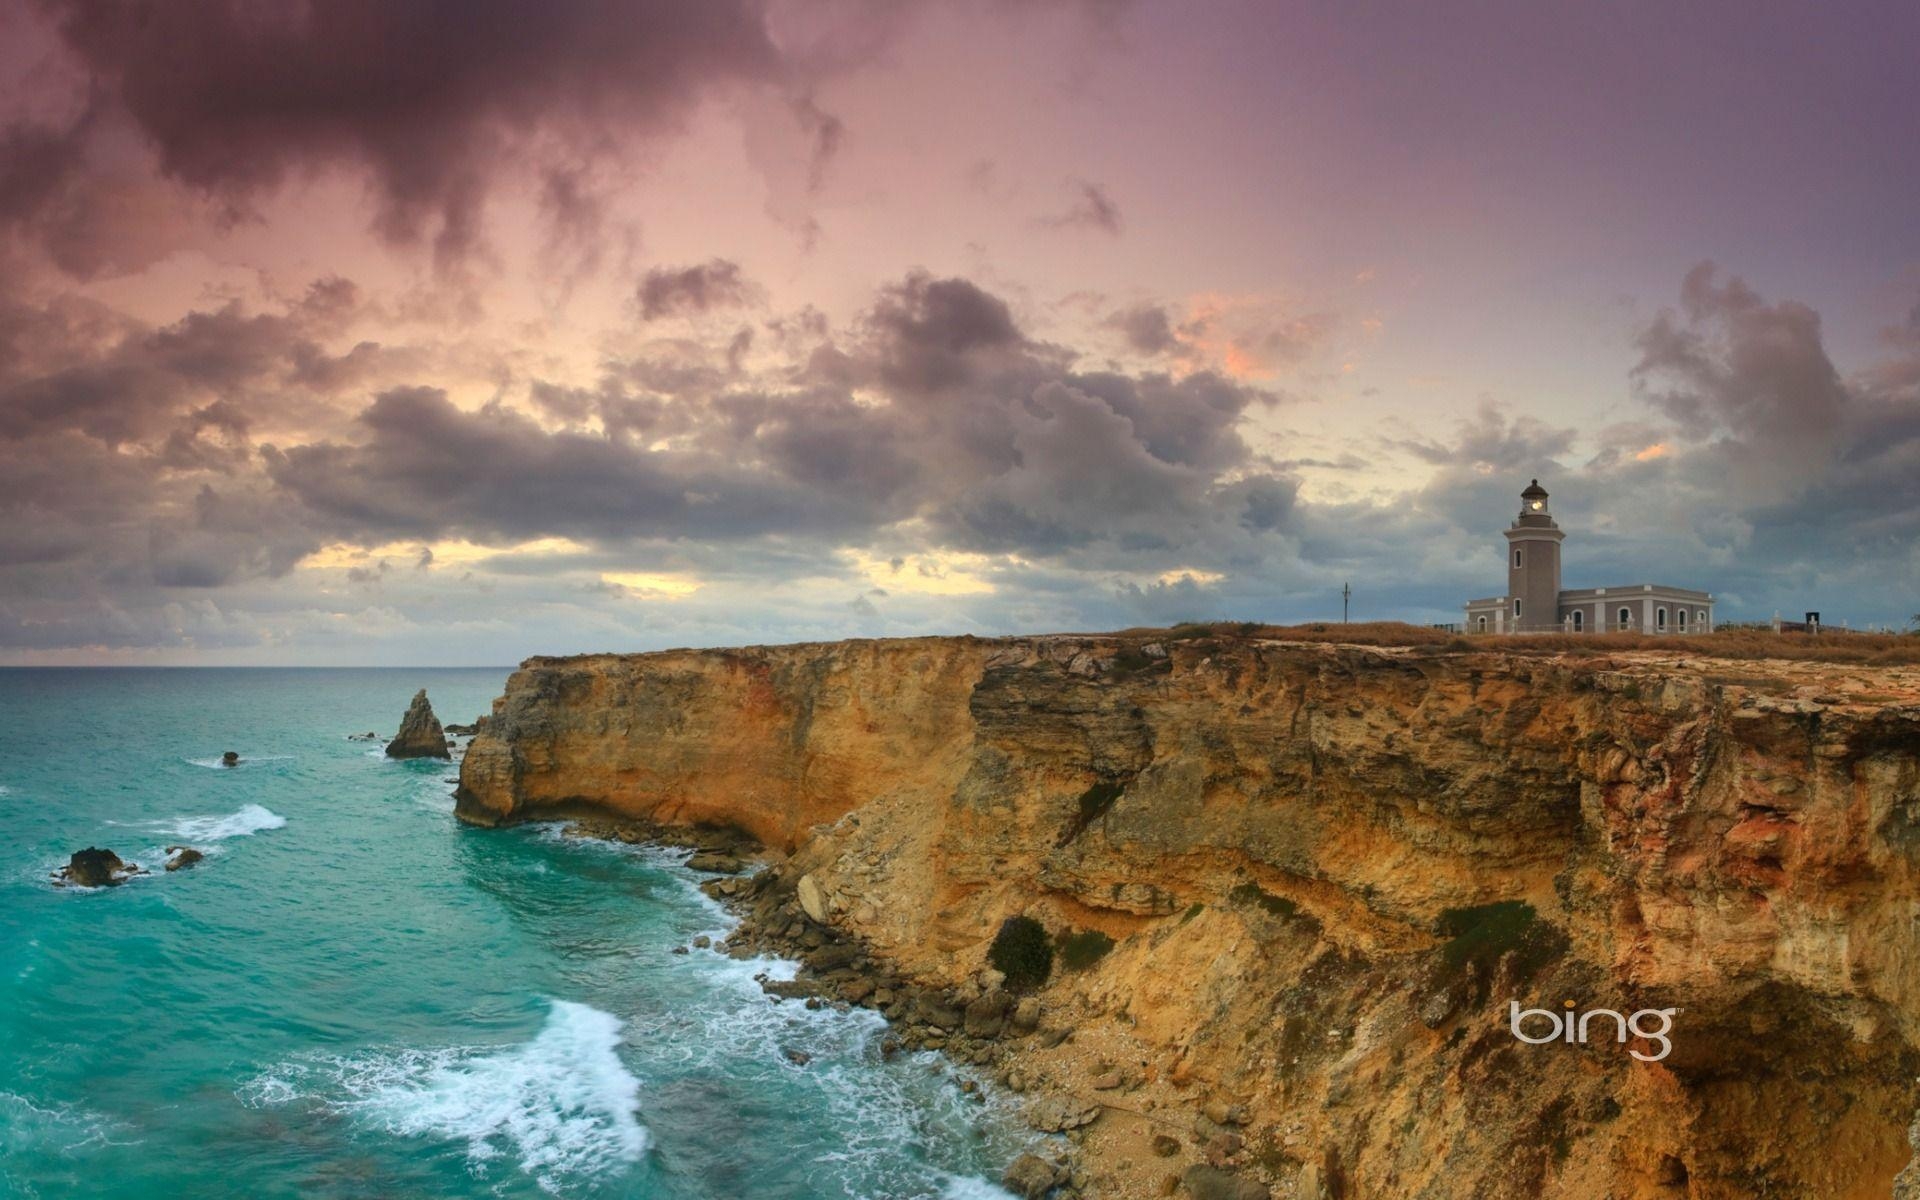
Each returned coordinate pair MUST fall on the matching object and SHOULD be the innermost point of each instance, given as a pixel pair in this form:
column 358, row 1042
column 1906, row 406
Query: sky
column 458, row 331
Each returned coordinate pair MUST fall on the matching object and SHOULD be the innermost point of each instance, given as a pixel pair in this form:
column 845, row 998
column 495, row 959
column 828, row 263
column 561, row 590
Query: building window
column 1579, row 620
column 1626, row 618
column 1516, row 558
column 1516, row 608
column 1682, row 615
column 1660, row 616
column 1701, row 618
column 1483, row 624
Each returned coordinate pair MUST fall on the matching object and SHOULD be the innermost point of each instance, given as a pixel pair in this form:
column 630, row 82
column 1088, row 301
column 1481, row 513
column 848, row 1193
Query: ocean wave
column 27, row 1128
column 249, row 820
column 966, row 1187
column 563, row 1104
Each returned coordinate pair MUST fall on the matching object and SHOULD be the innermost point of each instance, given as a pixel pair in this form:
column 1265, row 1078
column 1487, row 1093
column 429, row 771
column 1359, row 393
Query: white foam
column 966, row 1187
column 245, row 761
column 26, row 1127
column 249, row 820
column 563, row 1104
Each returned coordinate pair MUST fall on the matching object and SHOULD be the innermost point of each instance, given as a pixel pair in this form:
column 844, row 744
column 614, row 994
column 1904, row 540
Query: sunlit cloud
column 459, row 552
column 652, row 585
column 930, row 574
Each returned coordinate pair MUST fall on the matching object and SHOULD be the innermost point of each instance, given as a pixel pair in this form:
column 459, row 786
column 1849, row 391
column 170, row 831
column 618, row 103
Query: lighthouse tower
column 1533, row 565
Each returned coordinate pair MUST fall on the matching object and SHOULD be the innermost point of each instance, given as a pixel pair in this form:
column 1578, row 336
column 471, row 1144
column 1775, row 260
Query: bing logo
column 1572, row 1027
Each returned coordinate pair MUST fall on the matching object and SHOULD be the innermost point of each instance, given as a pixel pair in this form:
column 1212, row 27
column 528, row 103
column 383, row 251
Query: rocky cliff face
column 1325, row 872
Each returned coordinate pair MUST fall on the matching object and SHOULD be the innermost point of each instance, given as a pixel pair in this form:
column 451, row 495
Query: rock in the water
column 230, row 759
column 94, row 867
column 420, row 734
column 723, row 864
column 1031, row 1177
column 182, row 856
column 1211, row 1183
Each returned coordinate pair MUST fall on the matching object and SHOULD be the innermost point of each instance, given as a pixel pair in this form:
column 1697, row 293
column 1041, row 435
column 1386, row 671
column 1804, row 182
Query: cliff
column 1325, row 872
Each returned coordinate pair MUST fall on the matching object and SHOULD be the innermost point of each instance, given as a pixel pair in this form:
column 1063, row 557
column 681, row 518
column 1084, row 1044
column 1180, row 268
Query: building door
column 1683, row 620
column 1579, row 620
column 1626, row 618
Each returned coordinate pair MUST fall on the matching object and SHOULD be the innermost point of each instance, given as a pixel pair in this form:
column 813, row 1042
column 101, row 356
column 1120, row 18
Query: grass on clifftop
column 1868, row 649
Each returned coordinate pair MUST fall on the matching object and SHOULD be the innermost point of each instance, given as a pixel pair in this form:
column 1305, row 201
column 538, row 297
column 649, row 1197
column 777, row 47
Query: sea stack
column 420, row 734
column 94, row 867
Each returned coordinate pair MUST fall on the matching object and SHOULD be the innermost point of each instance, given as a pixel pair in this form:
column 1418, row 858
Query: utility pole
column 1346, row 594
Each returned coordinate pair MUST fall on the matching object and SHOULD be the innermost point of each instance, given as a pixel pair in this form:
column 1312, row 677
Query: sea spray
column 249, row 820
column 562, row 1105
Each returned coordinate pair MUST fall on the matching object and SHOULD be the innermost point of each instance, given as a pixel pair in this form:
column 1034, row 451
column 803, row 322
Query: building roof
column 1641, row 590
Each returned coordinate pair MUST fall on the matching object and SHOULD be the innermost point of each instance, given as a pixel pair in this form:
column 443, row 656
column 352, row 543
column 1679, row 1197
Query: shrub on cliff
column 1480, row 936
column 1254, row 894
column 1022, row 953
column 1082, row 948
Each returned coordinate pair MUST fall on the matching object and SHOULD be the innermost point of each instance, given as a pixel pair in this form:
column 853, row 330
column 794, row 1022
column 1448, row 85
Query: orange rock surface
column 1294, row 846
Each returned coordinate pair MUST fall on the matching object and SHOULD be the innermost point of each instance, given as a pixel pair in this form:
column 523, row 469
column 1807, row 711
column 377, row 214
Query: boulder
column 813, row 898
column 1026, row 1015
column 720, row 864
column 986, row 1016
column 1031, row 1177
column 1211, row 1183
column 179, row 857
column 94, row 867
column 230, row 759
column 420, row 734
column 1058, row 1114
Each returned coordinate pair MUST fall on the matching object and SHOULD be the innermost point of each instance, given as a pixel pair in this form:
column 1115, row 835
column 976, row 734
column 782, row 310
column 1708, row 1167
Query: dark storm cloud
column 1728, row 362
column 427, row 468
column 237, row 97
column 690, row 291
column 1491, row 440
column 70, row 364
column 993, row 440
column 932, row 334
column 1092, row 208
column 1146, row 328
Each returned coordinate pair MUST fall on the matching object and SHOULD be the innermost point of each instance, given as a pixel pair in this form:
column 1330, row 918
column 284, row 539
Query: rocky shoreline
column 1025, row 1048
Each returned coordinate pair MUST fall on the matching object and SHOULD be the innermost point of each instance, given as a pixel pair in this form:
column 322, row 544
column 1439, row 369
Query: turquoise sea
column 354, row 996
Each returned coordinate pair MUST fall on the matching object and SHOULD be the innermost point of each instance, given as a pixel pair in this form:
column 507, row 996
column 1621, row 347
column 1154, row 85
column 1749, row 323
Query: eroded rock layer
column 1325, row 872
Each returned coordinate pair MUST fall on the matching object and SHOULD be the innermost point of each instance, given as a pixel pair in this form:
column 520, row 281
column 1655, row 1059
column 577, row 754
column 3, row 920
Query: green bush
column 1131, row 660
column 1253, row 894
column 1094, row 803
column 1482, row 935
column 1083, row 948
column 1022, row 953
